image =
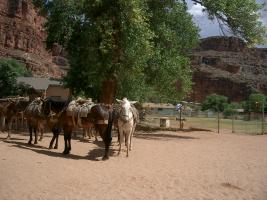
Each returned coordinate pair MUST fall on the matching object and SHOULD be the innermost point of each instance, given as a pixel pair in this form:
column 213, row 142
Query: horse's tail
column 109, row 128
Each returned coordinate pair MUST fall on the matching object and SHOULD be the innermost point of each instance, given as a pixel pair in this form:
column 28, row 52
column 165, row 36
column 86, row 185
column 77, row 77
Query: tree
column 231, row 109
column 239, row 17
column 135, row 48
column 256, row 102
column 216, row 103
column 10, row 70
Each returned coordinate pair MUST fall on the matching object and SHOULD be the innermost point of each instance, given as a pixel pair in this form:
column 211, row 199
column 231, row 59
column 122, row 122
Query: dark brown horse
column 53, row 110
column 99, row 117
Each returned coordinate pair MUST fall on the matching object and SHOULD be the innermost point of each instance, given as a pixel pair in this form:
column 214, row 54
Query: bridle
column 123, row 115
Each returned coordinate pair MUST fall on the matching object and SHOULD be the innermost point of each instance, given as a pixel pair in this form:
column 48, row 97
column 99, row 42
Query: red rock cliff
column 22, row 37
column 224, row 65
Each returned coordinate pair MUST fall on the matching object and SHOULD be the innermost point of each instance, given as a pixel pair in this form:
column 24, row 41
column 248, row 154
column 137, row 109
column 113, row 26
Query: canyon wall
column 22, row 37
column 224, row 65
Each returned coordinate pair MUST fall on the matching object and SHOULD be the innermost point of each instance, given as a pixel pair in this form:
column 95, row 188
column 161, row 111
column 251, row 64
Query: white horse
column 126, row 123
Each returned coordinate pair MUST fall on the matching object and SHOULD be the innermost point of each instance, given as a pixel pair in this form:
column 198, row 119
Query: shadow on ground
column 162, row 136
column 93, row 155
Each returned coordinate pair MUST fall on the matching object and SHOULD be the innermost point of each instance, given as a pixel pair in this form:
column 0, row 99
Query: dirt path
column 162, row 165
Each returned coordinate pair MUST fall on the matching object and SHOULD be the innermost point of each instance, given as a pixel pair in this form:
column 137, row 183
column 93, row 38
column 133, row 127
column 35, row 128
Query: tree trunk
column 109, row 89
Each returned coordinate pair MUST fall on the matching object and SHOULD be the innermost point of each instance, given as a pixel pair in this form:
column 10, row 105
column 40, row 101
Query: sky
column 211, row 28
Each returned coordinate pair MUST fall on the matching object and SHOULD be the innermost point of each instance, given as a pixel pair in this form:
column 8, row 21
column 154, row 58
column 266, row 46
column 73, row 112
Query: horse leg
column 69, row 141
column 67, row 136
column 30, row 130
column 9, row 126
column 56, row 145
column 131, row 137
column 52, row 141
column 65, row 142
column 118, row 135
column 121, row 138
column 95, row 134
column 86, row 134
column 107, row 142
column 36, row 135
column 41, row 129
column 128, row 136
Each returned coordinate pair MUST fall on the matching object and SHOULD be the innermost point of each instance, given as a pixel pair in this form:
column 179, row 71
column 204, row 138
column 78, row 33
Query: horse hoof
column 40, row 139
column 35, row 142
column 105, row 158
column 55, row 147
column 66, row 152
column 50, row 147
column 29, row 143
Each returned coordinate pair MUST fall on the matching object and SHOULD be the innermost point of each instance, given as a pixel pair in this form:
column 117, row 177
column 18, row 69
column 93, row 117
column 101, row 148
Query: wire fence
column 248, row 123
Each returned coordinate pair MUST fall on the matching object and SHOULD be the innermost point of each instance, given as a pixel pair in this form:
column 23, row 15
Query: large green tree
column 216, row 103
column 10, row 70
column 136, row 48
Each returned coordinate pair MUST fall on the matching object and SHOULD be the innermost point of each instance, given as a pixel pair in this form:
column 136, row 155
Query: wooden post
column 218, row 122
column 180, row 117
column 262, row 131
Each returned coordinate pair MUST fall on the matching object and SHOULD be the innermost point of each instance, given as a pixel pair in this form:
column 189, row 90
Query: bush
column 10, row 70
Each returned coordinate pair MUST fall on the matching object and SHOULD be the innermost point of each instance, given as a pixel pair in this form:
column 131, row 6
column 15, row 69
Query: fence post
column 262, row 128
column 218, row 122
column 233, row 128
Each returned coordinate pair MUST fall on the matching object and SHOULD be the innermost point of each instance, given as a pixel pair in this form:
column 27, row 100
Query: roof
column 37, row 83
column 158, row 105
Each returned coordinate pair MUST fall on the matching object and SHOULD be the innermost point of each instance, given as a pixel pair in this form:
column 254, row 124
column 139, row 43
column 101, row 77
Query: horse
column 52, row 109
column 127, row 117
column 4, row 103
column 15, row 110
column 99, row 117
column 35, row 119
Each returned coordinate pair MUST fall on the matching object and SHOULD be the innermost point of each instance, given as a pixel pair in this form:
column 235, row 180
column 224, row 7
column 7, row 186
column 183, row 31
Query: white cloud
column 196, row 10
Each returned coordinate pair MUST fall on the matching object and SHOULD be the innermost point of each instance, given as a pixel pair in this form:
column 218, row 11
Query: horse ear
column 119, row 101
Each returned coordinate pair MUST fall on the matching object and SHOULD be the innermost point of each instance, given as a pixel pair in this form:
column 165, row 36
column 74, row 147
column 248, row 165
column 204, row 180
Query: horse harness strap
column 103, row 121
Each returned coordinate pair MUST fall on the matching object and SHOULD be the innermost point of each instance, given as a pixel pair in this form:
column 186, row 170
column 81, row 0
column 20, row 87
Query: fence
column 249, row 123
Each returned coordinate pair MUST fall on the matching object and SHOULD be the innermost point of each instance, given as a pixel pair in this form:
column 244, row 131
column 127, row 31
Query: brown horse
column 35, row 119
column 52, row 111
column 40, row 113
column 14, row 111
column 99, row 117
column 3, row 109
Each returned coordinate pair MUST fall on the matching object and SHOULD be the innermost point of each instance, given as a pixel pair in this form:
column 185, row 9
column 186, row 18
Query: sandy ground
column 162, row 165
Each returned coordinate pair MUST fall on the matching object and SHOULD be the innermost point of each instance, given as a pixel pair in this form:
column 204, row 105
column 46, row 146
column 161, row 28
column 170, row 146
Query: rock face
column 22, row 37
column 225, row 66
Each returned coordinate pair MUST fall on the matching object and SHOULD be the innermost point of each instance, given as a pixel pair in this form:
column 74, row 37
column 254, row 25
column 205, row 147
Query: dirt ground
column 162, row 165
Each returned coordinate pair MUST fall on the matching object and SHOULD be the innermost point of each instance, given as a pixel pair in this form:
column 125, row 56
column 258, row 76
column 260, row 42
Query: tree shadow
column 162, row 136
column 12, row 138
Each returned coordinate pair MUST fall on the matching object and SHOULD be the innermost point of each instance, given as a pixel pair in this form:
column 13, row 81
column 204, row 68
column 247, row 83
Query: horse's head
column 46, row 107
column 125, row 109
column 52, row 107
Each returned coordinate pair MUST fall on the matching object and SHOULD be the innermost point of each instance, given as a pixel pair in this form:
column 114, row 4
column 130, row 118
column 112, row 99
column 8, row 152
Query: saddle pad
column 34, row 108
column 79, row 110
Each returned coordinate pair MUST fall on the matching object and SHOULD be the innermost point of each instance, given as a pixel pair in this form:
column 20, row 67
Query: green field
column 237, row 126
